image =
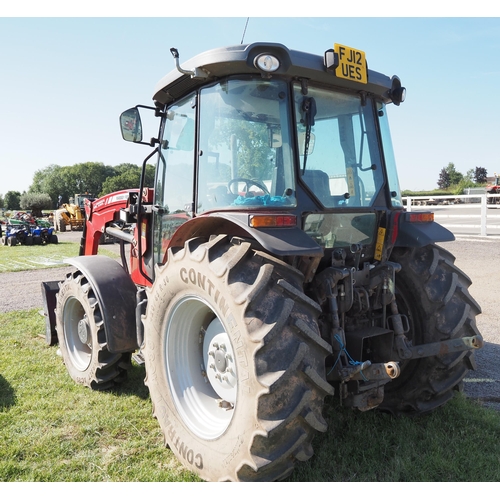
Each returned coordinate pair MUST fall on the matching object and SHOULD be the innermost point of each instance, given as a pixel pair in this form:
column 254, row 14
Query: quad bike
column 17, row 234
column 273, row 264
column 44, row 235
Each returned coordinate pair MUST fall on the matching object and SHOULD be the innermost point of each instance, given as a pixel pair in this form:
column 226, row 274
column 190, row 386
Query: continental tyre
column 82, row 338
column 434, row 294
column 234, row 361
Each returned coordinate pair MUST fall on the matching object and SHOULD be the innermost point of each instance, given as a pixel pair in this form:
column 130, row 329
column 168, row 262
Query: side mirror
column 131, row 126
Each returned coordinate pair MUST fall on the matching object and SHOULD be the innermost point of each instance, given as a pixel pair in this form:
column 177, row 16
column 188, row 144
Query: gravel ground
column 477, row 257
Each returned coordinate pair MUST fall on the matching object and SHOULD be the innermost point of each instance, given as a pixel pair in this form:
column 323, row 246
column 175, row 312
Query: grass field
column 54, row 430
column 25, row 258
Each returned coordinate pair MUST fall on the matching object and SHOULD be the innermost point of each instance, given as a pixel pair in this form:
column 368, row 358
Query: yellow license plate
column 352, row 64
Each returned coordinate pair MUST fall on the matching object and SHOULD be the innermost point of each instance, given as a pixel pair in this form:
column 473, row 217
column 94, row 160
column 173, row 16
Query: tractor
column 493, row 188
column 271, row 270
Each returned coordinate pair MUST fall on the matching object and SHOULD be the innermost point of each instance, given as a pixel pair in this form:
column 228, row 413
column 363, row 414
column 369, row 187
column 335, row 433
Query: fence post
column 408, row 204
column 484, row 211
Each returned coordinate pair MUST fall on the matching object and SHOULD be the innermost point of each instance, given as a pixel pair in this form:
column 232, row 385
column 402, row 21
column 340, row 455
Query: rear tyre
column 433, row 293
column 234, row 360
column 11, row 241
column 82, row 338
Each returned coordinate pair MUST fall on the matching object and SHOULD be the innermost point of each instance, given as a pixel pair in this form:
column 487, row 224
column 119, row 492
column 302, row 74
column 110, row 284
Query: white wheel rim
column 77, row 334
column 204, row 395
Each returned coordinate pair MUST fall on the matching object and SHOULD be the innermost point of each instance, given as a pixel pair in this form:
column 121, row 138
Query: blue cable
column 343, row 349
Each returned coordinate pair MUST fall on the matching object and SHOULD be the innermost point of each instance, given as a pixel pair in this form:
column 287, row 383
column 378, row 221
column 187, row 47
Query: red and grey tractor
column 271, row 266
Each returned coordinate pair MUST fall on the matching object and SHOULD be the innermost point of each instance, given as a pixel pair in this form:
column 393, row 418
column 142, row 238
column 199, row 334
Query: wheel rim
column 77, row 334
column 200, row 366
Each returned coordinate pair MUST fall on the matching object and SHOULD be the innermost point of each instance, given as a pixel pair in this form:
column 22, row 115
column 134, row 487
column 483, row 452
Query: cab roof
column 239, row 60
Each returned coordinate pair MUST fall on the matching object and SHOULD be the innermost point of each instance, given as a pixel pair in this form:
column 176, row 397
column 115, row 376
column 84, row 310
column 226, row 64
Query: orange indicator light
column 263, row 221
column 421, row 217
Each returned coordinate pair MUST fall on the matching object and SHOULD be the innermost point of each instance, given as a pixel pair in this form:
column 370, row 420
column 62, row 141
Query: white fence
column 477, row 202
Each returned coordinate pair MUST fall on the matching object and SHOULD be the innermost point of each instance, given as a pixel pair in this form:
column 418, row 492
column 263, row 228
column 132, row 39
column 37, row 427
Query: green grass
column 25, row 258
column 54, row 430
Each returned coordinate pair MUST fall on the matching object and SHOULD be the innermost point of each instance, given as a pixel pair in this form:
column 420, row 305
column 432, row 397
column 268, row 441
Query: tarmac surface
column 478, row 257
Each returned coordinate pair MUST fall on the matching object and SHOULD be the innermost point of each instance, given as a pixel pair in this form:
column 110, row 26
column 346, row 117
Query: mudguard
column 417, row 235
column 116, row 294
column 277, row 241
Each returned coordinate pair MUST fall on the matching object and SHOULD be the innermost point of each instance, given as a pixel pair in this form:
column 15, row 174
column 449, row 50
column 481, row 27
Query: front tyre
column 82, row 337
column 433, row 293
column 234, row 360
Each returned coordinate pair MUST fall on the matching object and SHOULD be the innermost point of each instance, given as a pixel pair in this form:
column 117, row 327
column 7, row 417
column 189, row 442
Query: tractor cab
column 261, row 138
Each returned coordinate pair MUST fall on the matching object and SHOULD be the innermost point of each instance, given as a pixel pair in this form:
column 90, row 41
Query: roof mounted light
column 267, row 63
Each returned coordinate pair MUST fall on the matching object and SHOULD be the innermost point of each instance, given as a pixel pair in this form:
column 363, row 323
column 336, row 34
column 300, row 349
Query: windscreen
column 339, row 150
column 245, row 156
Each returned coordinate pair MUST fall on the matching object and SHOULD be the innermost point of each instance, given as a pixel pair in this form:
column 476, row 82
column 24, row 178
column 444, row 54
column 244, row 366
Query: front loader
column 271, row 265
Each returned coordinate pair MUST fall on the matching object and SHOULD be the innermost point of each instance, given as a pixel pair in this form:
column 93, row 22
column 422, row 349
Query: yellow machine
column 69, row 215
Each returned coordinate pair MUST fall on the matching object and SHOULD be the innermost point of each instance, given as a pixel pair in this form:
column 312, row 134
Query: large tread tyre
column 434, row 294
column 82, row 337
column 235, row 364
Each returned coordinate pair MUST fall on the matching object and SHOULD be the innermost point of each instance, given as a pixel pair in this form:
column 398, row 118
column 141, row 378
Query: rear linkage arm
column 403, row 350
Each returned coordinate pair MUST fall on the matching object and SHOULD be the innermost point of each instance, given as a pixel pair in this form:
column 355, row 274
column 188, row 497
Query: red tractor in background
column 494, row 189
column 272, row 264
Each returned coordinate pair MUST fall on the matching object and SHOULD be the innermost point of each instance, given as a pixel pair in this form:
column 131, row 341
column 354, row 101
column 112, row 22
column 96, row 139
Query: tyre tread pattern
column 111, row 369
column 287, row 351
column 430, row 278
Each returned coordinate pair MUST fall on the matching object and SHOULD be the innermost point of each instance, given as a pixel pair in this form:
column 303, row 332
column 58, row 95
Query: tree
column 127, row 176
column 91, row 177
column 455, row 176
column 67, row 181
column 36, row 202
column 480, row 175
column 12, row 200
column 2, row 203
column 449, row 176
column 444, row 179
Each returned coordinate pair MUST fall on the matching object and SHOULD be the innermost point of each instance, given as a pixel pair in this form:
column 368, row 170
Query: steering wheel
column 248, row 184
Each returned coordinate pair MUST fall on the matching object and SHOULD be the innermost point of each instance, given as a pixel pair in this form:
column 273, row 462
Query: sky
column 67, row 74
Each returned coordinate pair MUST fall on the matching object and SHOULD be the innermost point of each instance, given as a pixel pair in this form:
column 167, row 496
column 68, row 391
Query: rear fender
column 420, row 234
column 277, row 241
column 116, row 294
